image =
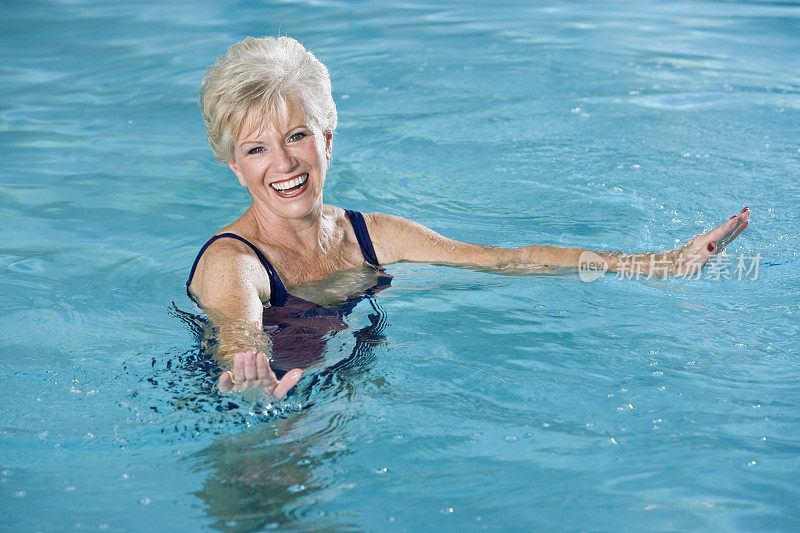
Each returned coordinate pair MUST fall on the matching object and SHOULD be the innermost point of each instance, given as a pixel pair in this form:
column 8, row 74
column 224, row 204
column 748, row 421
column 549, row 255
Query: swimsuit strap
column 277, row 290
column 362, row 235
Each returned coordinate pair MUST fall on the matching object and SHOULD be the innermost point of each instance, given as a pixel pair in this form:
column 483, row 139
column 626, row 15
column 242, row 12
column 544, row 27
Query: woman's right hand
column 251, row 369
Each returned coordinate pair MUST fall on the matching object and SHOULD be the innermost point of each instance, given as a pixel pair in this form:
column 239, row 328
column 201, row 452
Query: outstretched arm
column 230, row 285
column 397, row 239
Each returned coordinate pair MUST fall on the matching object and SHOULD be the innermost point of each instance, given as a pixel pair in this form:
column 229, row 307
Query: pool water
column 482, row 400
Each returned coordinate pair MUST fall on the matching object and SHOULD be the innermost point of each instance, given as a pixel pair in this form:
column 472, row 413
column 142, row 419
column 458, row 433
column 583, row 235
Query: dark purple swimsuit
column 298, row 328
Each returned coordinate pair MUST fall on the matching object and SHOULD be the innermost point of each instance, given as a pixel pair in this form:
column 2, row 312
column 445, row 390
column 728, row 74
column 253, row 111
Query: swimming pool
column 498, row 402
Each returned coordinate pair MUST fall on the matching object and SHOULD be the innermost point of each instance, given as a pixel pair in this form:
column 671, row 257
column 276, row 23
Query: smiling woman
column 270, row 116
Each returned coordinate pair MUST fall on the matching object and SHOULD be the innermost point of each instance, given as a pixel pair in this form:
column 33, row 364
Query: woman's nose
column 282, row 160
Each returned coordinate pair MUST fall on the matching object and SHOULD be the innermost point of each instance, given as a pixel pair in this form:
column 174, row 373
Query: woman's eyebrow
column 260, row 140
column 299, row 126
column 251, row 141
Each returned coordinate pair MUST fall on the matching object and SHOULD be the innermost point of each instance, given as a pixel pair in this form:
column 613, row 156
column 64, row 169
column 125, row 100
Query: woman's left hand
column 692, row 257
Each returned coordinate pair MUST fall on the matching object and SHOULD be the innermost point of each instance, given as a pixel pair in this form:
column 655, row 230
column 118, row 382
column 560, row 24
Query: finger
column 723, row 242
column 740, row 219
column 723, row 234
column 238, row 367
column 262, row 367
column 250, row 370
column 289, row 380
column 720, row 231
column 225, row 384
column 271, row 374
column 744, row 214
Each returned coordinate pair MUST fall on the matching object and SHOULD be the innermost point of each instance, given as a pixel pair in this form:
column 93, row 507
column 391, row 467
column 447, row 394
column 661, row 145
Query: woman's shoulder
column 382, row 224
column 391, row 235
column 229, row 243
column 376, row 223
column 228, row 259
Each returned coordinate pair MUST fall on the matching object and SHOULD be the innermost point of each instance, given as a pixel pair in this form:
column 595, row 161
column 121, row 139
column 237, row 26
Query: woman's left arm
column 398, row 239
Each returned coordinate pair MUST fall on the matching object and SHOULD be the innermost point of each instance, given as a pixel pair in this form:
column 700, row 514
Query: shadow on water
column 276, row 472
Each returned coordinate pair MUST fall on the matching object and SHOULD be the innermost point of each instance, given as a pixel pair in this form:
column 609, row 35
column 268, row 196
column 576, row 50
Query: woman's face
column 282, row 164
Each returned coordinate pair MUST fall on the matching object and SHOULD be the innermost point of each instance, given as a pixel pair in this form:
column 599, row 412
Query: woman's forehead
column 260, row 119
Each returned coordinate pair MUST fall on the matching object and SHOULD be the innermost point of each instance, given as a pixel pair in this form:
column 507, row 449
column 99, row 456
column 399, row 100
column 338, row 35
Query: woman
column 270, row 116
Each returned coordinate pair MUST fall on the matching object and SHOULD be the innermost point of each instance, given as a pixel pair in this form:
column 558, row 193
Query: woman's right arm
column 231, row 285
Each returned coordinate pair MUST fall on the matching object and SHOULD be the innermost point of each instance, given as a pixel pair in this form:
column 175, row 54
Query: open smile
column 291, row 187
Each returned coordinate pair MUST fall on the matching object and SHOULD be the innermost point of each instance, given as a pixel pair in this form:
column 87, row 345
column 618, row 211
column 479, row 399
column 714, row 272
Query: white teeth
column 282, row 186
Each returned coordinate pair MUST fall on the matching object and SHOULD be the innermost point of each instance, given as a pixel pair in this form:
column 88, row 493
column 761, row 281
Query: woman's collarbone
column 297, row 268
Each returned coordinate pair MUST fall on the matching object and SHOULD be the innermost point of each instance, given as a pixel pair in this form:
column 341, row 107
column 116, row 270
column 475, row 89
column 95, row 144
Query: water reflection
column 271, row 475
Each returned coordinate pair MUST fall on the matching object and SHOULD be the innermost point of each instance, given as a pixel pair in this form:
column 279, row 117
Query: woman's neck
column 310, row 233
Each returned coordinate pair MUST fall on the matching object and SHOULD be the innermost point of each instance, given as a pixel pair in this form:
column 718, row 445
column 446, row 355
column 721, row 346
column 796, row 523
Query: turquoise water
column 499, row 402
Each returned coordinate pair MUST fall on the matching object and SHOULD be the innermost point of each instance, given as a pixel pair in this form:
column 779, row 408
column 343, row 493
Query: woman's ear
column 235, row 167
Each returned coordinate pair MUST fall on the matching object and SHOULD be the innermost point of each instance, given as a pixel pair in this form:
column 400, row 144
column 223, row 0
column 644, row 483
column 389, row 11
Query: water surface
column 504, row 402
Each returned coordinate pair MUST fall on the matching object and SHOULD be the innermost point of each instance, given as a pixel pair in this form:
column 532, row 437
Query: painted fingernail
column 743, row 210
column 711, row 247
column 734, row 216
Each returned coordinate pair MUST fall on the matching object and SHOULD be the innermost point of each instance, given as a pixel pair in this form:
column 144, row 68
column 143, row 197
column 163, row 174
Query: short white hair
column 263, row 72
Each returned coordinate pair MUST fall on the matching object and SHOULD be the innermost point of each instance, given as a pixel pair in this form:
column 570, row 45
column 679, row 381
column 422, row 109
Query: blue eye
column 300, row 135
column 256, row 150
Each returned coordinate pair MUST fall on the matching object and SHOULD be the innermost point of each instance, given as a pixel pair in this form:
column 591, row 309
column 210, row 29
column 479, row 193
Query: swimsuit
column 298, row 328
